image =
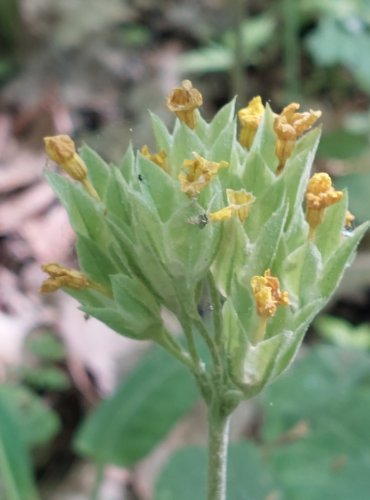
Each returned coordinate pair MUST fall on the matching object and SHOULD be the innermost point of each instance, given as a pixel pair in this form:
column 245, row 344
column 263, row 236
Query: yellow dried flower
column 249, row 118
column 267, row 293
column 289, row 126
column 60, row 276
column 240, row 203
column 197, row 174
column 184, row 101
column 349, row 219
column 62, row 150
column 159, row 158
column 320, row 194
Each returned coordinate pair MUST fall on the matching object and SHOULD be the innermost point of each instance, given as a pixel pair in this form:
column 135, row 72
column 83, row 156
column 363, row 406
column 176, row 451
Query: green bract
column 154, row 248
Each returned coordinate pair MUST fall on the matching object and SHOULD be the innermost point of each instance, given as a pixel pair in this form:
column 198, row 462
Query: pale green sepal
column 117, row 195
column 192, row 247
column 127, row 165
column 223, row 118
column 336, row 265
column 221, row 149
column 85, row 214
column 162, row 136
column 89, row 297
column 263, row 209
column 231, row 254
column 95, row 263
column 115, row 319
column 163, row 189
column 185, row 143
column 134, row 298
column 330, row 231
column 265, row 139
column 256, row 174
column 263, row 252
column 146, row 224
column 302, row 270
column 233, row 333
column 201, row 127
column 99, row 170
column 297, row 171
column 259, row 363
column 299, row 324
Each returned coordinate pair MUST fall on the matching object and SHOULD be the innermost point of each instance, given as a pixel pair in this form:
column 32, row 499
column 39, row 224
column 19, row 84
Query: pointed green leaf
column 329, row 232
column 185, row 142
column 161, row 188
column 184, row 476
column 162, row 136
column 98, row 169
column 127, row 165
column 143, row 410
column 94, row 262
column 221, row 149
column 265, row 139
column 223, row 118
column 336, row 265
column 231, row 254
column 15, row 465
column 256, row 174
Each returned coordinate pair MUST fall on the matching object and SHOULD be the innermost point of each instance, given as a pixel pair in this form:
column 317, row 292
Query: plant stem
column 238, row 74
column 218, row 437
column 291, row 48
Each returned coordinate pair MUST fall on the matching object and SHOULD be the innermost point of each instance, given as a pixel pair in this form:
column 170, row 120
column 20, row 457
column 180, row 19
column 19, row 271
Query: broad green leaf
column 312, row 389
column 343, row 144
column 36, row 423
column 341, row 333
column 207, row 60
column 49, row 378
column 184, row 476
column 15, row 465
column 140, row 414
column 46, row 346
column 328, row 390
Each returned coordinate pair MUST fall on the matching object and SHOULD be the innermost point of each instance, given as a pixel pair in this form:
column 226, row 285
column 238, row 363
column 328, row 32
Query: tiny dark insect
column 200, row 220
column 140, row 177
column 87, row 317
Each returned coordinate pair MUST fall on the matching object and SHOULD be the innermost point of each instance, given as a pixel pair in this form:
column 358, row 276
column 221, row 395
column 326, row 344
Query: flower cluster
column 256, row 225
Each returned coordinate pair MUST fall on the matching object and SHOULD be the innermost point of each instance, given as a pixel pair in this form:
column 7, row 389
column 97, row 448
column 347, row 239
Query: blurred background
column 92, row 69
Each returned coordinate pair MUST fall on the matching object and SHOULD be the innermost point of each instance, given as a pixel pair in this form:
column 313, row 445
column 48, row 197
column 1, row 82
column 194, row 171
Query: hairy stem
column 218, row 437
